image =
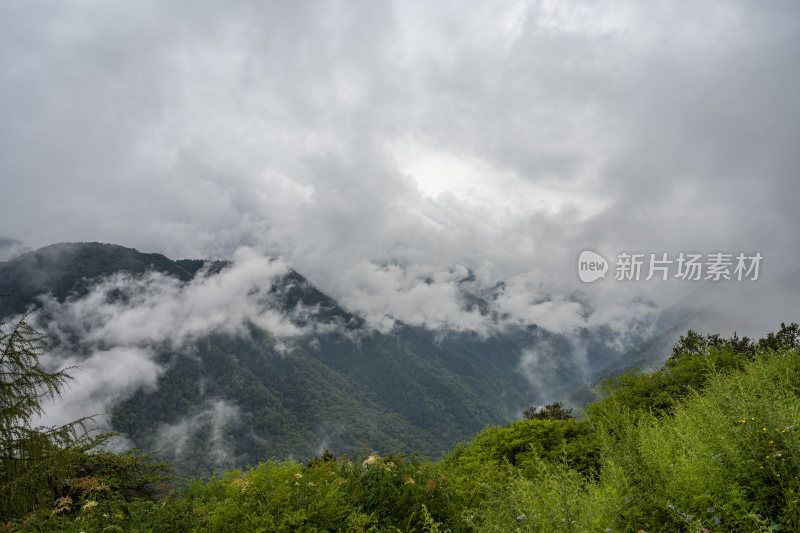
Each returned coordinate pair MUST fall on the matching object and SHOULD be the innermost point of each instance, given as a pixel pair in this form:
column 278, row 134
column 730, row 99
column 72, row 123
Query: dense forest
column 708, row 442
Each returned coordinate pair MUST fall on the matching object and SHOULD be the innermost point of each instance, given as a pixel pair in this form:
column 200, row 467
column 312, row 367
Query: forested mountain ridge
column 228, row 399
column 69, row 268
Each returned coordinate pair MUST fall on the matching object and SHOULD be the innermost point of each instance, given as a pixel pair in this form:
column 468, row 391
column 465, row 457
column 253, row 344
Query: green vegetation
column 41, row 465
column 709, row 442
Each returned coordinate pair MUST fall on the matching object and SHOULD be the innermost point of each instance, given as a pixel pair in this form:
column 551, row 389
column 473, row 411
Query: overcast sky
column 503, row 137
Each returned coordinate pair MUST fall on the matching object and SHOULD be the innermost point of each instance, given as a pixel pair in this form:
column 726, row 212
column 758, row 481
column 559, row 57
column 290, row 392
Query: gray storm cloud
column 501, row 137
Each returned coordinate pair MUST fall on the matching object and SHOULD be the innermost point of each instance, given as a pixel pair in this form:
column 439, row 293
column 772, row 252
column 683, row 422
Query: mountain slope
column 226, row 399
column 69, row 268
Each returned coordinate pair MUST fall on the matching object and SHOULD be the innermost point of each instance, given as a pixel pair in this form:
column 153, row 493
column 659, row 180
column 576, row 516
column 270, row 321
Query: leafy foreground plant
column 393, row 493
column 726, row 460
column 49, row 471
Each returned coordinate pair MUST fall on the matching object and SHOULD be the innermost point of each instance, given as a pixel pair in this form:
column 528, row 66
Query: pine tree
column 35, row 462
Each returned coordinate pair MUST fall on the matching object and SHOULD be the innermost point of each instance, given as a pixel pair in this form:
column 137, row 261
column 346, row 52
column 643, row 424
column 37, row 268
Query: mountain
column 227, row 398
column 70, row 268
column 747, row 309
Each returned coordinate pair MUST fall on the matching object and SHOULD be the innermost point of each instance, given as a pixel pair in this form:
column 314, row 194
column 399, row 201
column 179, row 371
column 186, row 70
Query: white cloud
column 124, row 321
column 415, row 295
column 100, row 381
column 217, row 414
column 155, row 309
column 554, row 369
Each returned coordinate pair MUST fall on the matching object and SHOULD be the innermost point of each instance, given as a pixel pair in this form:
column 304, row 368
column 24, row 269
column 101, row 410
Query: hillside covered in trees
column 708, row 442
column 217, row 365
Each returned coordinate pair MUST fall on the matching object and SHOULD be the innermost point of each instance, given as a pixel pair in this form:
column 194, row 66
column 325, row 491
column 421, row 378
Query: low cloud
column 417, row 295
column 555, row 367
column 210, row 422
column 113, row 334
column 11, row 248
column 100, row 381
column 460, row 299
column 157, row 309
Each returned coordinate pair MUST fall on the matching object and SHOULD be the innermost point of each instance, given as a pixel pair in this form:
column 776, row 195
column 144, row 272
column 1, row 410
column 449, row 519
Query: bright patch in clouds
column 501, row 192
